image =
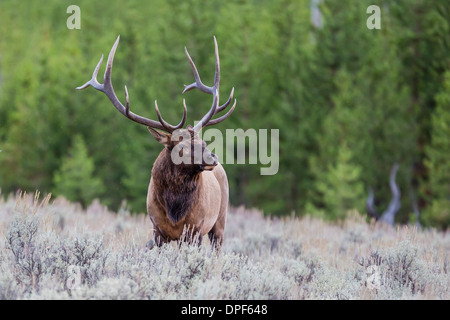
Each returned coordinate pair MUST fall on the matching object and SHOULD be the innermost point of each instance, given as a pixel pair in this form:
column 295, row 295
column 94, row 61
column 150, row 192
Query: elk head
column 187, row 150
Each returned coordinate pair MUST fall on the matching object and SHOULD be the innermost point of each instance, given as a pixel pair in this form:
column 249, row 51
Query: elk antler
column 107, row 89
column 214, row 90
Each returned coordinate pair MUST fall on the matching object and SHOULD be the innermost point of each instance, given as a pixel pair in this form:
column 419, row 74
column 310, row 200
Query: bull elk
column 191, row 194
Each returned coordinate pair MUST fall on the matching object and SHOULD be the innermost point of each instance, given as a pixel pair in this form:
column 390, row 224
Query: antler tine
column 217, row 74
column 107, row 88
column 222, row 107
column 198, row 82
column 127, row 102
column 169, row 127
column 93, row 82
column 220, row 119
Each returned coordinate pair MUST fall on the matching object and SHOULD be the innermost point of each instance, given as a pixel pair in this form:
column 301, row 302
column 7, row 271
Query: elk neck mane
column 176, row 188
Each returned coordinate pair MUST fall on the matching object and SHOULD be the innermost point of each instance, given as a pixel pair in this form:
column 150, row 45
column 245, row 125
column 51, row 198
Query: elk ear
column 161, row 137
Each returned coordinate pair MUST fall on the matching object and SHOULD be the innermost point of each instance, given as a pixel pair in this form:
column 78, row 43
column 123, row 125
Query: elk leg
column 159, row 241
column 216, row 234
column 160, row 238
column 216, row 239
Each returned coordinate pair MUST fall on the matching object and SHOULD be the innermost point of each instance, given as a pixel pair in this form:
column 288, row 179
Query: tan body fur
column 207, row 213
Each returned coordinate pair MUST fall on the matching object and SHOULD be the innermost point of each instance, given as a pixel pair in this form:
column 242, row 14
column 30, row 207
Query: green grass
column 56, row 250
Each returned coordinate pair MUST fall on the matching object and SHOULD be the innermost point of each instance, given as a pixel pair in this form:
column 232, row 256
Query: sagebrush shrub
column 62, row 252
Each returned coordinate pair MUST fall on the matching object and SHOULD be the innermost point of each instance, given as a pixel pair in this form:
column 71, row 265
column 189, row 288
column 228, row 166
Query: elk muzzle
column 209, row 161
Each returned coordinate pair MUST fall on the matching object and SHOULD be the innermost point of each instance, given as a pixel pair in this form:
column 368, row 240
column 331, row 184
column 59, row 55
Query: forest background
column 350, row 102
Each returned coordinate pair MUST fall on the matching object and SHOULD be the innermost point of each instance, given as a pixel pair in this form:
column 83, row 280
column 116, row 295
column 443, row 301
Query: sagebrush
column 292, row 258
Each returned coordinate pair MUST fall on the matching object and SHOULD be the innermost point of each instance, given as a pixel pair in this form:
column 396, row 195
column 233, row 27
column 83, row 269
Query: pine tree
column 341, row 185
column 76, row 180
column 437, row 162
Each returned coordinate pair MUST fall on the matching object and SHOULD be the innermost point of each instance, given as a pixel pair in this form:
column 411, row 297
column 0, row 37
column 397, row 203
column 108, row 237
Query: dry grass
column 41, row 244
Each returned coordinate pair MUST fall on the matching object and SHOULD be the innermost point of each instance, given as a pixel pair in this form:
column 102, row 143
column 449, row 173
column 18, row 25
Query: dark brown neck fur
column 176, row 186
